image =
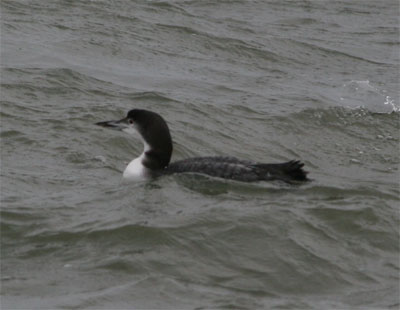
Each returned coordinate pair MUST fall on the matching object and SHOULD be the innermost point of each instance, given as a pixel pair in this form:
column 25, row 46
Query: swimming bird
column 156, row 156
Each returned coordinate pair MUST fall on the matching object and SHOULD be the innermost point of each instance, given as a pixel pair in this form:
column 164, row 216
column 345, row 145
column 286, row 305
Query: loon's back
column 240, row 170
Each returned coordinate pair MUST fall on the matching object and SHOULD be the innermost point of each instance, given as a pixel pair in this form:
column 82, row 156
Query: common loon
column 155, row 159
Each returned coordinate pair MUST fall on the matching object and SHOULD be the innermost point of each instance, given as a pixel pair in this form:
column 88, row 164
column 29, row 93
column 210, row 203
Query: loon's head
column 155, row 134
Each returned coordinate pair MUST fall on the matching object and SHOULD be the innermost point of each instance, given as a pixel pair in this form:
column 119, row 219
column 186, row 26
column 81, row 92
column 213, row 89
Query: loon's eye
column 130, row 121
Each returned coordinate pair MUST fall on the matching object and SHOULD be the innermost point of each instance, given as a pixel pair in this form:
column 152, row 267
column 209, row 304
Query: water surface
column 264, row 80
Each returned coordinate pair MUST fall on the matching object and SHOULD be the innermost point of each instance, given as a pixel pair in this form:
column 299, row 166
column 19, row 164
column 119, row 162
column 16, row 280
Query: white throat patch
column 135, row 170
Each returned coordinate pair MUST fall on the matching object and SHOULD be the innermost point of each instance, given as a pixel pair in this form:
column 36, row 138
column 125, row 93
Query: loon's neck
column 147, row 164
column 157, row 148
column 156, row 154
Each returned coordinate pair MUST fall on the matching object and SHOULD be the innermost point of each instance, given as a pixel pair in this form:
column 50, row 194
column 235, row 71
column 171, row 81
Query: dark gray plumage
column 239, row 170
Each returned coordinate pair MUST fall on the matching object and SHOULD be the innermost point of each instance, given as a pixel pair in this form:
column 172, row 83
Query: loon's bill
column 156, row 156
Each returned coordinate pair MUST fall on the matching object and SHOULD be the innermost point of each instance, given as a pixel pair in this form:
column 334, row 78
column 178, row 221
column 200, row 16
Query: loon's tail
column 288, row 172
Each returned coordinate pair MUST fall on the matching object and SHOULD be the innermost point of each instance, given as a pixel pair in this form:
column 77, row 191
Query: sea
column 262, row 80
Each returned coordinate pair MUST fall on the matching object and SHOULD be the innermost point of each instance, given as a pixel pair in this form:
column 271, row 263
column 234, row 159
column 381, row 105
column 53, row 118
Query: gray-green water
column 263, row 80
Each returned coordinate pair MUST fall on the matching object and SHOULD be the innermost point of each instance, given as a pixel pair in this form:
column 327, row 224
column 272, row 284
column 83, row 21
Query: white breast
column 135, row 170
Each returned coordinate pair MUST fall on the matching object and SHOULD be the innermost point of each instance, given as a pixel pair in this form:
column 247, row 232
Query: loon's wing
column 222, row 167
column 218, row 159
column 240, row 170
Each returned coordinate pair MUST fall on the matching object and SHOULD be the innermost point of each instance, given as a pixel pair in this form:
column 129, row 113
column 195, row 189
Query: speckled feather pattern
column 237, row 169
